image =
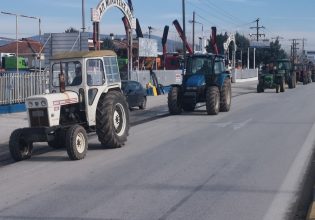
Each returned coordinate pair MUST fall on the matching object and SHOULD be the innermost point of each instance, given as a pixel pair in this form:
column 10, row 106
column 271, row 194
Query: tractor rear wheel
column 226, row 96
column 76, row 142
column 290, row 83
column 112, row 120
column 213, row 100
column 19, row 148
column 174, row 101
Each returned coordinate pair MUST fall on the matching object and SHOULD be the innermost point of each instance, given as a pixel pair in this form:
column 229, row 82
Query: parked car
column 135, row 93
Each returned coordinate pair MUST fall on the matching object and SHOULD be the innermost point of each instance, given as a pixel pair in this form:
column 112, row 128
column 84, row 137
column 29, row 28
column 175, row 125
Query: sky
column 287, row 19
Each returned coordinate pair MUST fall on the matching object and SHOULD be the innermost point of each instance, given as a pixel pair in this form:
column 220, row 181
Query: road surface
column 245, row 164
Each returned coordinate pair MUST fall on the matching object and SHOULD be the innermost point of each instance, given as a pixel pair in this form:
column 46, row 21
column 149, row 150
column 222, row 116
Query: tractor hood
column 54, row 100
column 196, row 80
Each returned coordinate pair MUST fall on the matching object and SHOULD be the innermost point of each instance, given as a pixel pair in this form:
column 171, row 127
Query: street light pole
column 83, row 16
column 184, row 30
column 17, row 40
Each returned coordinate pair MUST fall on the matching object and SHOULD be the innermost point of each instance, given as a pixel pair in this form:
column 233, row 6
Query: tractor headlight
column 43, row 103
column 30, row 104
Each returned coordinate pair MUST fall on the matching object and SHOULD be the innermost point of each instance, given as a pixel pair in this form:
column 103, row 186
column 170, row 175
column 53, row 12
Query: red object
column 181, row 34
column 213, row 40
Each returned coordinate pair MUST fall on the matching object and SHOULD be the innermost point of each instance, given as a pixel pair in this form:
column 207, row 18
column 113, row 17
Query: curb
column 311, row 209
column 246, row 80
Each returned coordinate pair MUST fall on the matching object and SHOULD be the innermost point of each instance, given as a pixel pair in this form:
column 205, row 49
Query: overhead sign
column 148, row 47
column 104, row 5
column 260, row 44
column 95, row 16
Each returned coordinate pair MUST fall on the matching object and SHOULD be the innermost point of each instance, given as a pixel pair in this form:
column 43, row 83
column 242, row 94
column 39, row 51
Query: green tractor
column 285, row 67
column 206, row 80
column 270, row 79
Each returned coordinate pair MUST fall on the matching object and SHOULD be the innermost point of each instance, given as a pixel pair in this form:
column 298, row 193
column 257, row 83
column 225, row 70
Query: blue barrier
column 5, row 109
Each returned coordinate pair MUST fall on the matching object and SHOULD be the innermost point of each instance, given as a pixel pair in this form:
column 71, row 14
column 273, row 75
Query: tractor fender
column 221, row 78
column 176, row 85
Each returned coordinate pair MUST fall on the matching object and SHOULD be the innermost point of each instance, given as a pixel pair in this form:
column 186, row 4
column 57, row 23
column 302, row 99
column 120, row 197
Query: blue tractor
column 206, row 80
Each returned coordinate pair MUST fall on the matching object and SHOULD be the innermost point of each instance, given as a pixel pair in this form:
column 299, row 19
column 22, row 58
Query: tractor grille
column 38, row 117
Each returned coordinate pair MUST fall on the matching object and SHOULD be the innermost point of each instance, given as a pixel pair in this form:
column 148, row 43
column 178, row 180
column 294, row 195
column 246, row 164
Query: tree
column 71, row 30
column 269, row 55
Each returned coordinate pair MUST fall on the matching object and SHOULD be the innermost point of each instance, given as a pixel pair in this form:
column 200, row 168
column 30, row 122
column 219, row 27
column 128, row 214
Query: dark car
column 135, row 93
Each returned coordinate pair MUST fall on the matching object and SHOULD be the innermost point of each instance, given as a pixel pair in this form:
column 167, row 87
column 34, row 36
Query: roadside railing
column 16, row 87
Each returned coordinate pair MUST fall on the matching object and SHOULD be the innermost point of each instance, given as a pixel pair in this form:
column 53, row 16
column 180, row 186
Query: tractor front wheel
column 226, row 96
column 19, row 148
column 76, row 142
column 174, row 101
column 213, row 100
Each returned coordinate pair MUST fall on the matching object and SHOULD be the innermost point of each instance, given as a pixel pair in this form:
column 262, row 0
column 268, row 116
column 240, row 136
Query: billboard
column 148, row 47
column 260, row 44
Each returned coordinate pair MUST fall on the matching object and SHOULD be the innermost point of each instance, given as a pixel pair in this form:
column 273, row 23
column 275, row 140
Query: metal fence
column 165, row 77
column 16, row 87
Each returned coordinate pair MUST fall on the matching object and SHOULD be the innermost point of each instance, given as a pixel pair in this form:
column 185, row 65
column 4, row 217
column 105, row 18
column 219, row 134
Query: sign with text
column 120, row 4
column 148, row 47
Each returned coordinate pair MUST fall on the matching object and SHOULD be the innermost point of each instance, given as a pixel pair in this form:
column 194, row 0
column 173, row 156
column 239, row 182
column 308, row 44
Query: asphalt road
column 245, row 164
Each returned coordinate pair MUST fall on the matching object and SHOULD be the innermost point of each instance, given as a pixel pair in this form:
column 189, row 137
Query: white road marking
column 237, row 126
column 287, row 193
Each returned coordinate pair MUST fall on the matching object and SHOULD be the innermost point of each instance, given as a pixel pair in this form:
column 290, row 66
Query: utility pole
column 277, row 38
column 294, row 48
column 303, row 45
column 258, row 35
column 193, row 23
column 150, row 30
column 184, row 30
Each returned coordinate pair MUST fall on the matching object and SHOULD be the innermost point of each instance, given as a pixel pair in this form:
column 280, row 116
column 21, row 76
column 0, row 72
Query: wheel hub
column 80, row 143
column 119, row 119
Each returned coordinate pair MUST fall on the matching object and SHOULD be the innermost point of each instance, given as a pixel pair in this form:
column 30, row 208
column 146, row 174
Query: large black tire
column 260, row 88
column 19, row 148
column 143, row 105
column 59, row 140
column 212, row 100
column 76, row 142
column 189, row 107
column 282, row 85
column 226, row 96
column 174, row 101
column 112, row 120
column 290, row 83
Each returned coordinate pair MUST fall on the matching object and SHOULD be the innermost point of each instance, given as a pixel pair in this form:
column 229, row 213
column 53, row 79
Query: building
column 27, row 48
column 311, row 56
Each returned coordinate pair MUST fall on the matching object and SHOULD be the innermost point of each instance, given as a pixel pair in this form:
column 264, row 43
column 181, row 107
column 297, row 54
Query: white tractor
column 85, row 96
